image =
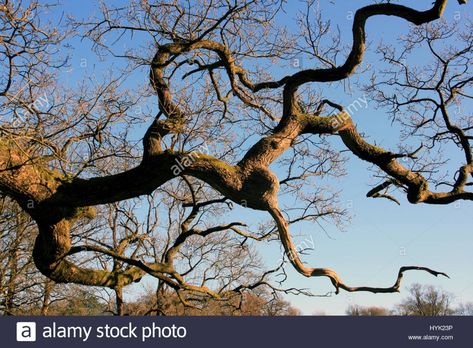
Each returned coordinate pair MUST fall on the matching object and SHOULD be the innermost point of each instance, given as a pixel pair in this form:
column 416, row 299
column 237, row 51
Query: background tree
column 19, row 281
column 464, row 309
column 255, row 303
column 356, row 310
column 421, row 300
column 426, row 301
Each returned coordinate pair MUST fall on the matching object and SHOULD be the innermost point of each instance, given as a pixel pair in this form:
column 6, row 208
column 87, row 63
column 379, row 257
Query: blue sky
column 382, row 236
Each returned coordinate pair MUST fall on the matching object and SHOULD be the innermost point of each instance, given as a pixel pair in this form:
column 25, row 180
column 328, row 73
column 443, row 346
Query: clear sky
column 382, row 236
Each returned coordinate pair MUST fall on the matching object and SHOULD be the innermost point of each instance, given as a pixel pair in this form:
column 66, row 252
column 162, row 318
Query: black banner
column 236, row 331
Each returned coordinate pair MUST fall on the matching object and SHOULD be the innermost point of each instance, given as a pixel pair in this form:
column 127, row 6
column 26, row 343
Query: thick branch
column 293, row 256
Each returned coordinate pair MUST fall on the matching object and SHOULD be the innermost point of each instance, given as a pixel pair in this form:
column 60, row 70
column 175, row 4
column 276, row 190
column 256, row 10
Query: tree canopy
column 220, row 126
